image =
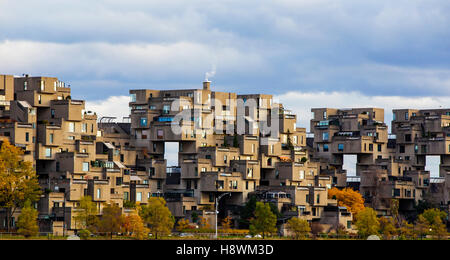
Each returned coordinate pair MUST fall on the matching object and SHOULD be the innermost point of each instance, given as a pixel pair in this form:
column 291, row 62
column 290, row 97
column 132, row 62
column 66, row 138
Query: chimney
column 206, row 85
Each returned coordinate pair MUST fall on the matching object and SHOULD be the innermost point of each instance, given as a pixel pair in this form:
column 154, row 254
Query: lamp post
column 217, row 207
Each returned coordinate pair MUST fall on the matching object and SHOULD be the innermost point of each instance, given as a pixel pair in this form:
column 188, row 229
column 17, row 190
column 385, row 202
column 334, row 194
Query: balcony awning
column 120, row 165
column 109, row 145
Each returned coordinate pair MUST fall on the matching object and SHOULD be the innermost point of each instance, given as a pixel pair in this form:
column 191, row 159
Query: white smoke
column 211, row 73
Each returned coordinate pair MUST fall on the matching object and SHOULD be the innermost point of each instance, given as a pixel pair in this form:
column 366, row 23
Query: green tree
column 18, row 181
column 27, row 222
column 86, row 217
column 111, row 220
column 434, row 215
column 367, row 223
column 157, row 216
column 438, row 228
column 247, row 212
column 264, row 221
column 299, row 227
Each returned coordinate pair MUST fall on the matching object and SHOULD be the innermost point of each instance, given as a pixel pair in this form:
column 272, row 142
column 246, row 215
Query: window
column 84, row 128
column 325, row 147
column 133, row 97
column 318, row 199
column 42, row 85
column 370, row 147
column 166, row 109
column 125, row 195
column 25, row 85
column 325, row 136
column 54, row 86
column 379, row 148
column 406, row 115
column 27, row 137
column 99, row 193
column 48, row 152
column 340, row 147
column 249, row 172
column 51, row 138
column 394, row 116
column 302, row 174
column 85, row 166
column 71, row 127
column 138, row 196
column 324, row 115
column 143, row 121
column 39, row 99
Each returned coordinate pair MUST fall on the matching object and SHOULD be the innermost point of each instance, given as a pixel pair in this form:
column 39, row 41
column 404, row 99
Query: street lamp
column 217, row 206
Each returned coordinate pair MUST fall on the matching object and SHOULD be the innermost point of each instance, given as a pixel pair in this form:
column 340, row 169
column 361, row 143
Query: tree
column 248, row 212
column 183, row 224
column 422, row 226
column 434, row 215
column 27, row 222
column 204, row 224
column 348, row 198
column 387, row 227
column 367, row 223
column 86, row 217
column 133, row 224
column 299, row 227
column 18, row 181
column 438, row 228
column 264, row 221
column 406, row 230
column 157, row 216
column 111, row 220
column 226, row 224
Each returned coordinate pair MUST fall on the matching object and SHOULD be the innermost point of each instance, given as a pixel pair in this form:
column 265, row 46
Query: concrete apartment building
column 244, row 145
column 228, row 143
column 387, row 167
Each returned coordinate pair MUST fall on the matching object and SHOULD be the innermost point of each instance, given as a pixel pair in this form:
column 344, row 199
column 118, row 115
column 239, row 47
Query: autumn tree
column 86, row 217
column 299, row 227
column 111, row 220
column 406, row 230
column 348, row 198
column 157, row 216
column 182, row 224
column 133, row 224
column 367, row 223
column 432, row 221
column 18, row 181
column 264, row 221
column 27, row 222
column 387, row 227
column 203, row 223
column 422, row 227
column 226, row 224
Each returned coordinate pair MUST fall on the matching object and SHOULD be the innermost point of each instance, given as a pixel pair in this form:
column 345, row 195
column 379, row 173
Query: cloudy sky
column 308, row 53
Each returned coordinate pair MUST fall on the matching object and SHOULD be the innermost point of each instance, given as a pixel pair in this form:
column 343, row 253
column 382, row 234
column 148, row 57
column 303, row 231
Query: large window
column 133, row 97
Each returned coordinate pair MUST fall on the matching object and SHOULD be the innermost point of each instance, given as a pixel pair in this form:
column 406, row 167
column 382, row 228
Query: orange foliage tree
column 348, row 198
